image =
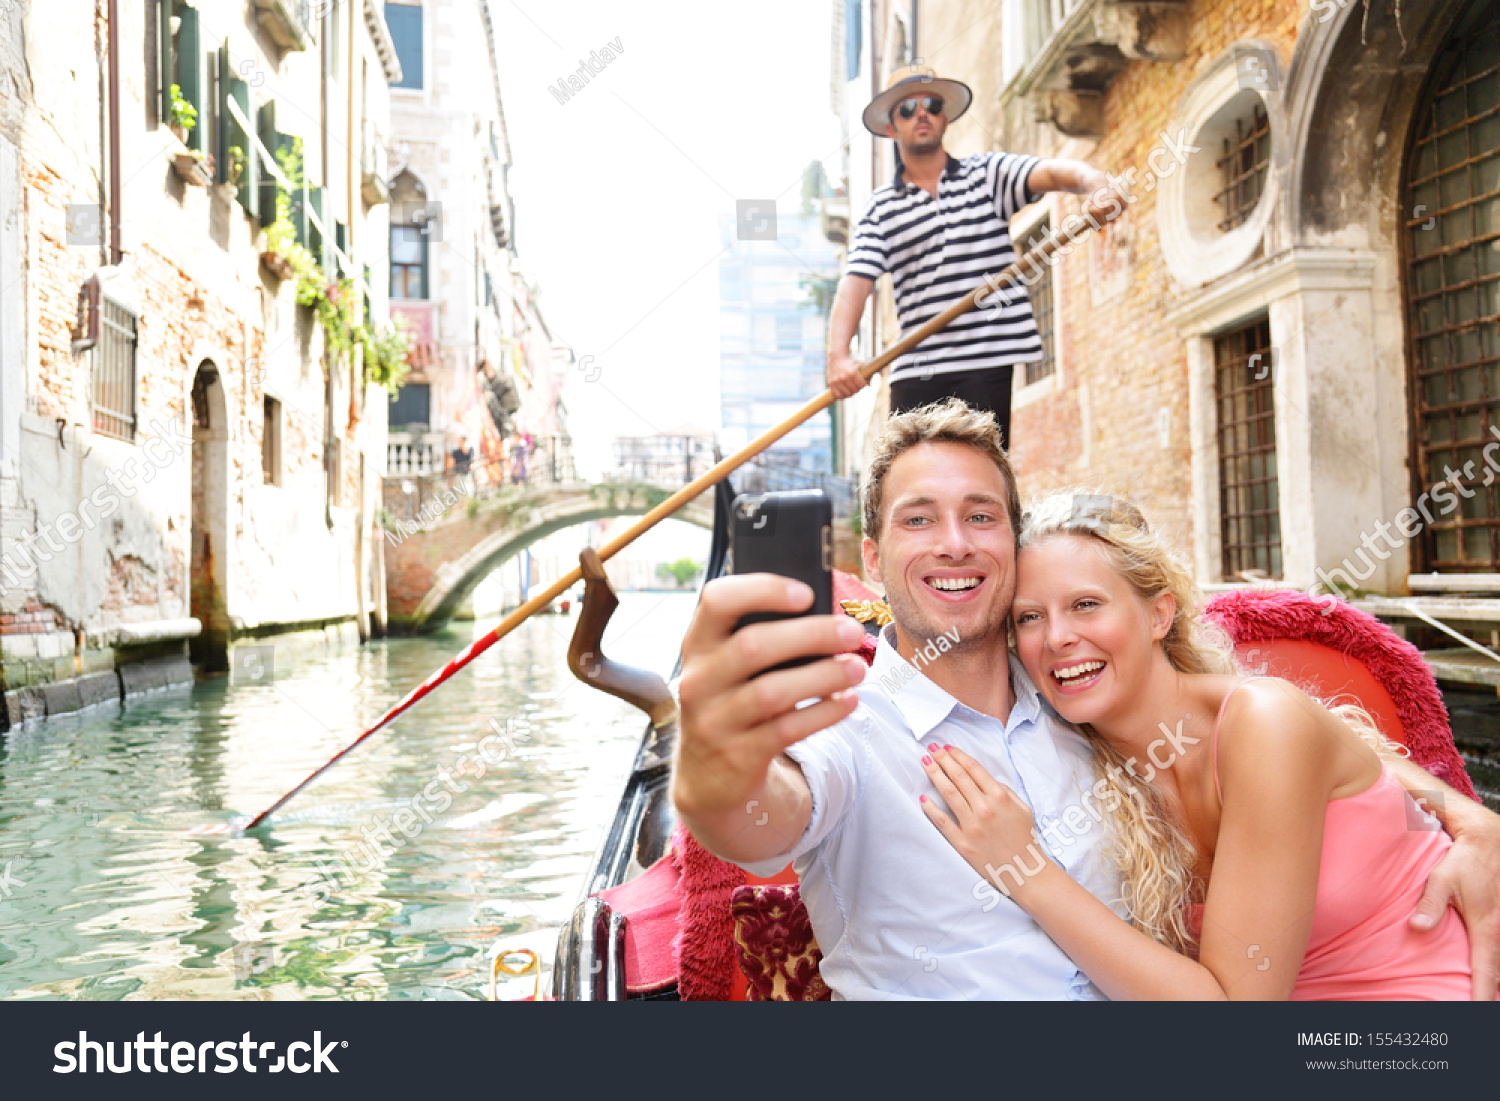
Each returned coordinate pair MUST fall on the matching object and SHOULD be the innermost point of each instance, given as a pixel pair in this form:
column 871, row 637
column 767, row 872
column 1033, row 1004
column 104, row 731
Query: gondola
column 668, row 949
column 591, row 958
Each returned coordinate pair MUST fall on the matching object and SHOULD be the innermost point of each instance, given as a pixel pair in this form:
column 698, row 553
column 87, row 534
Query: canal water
column 470, row 822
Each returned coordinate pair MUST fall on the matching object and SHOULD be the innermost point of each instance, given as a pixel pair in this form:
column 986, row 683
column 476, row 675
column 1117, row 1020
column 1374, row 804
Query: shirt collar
column 923, row 704
column 952, row 169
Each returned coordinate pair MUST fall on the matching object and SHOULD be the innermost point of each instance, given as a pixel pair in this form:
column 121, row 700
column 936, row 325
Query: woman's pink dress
column 1378, row 849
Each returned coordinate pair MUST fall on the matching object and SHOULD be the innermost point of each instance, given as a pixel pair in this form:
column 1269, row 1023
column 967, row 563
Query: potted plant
column 182, row 115
column 280, row 237
column 236, row 165
column 195, row 167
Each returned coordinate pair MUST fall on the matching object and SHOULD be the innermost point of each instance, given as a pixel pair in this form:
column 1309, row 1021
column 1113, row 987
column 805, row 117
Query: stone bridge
column 432, row 567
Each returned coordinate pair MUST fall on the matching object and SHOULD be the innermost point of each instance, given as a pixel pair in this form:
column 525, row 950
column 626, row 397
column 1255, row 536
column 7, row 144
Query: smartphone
column 791, row 534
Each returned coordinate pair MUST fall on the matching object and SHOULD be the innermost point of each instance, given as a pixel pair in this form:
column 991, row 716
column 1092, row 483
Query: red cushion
column 1324, row 673
column 1403, row 683
column 650, row 903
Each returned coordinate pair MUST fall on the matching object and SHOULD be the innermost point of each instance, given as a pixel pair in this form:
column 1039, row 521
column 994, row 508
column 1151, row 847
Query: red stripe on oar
column 692, row 490
column 459, row 660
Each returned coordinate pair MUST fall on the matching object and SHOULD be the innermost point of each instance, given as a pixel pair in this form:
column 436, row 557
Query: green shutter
column 164, row 59
column 265, row 125
column 190, row 75
column 320, row 244
column 249, row 189
column 221, row 131
column 299, row 204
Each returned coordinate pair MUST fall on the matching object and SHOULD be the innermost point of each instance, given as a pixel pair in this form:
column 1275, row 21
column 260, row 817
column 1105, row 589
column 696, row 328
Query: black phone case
column 789, row 533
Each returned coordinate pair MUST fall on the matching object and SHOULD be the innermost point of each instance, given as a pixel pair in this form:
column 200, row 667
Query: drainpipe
column 114, row 132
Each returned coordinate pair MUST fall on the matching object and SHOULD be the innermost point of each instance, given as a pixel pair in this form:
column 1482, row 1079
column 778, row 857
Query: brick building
column 187, row 458
column 456, row 275
column 1288, row 350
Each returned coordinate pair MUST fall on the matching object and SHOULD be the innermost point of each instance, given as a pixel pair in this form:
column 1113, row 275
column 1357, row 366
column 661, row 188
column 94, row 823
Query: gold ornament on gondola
column 867, row 611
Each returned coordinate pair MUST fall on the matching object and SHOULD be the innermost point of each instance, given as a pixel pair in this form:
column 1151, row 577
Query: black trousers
column 987, row 388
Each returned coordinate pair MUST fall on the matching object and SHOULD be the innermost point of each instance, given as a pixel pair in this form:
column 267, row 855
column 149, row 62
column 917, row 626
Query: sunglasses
column 933, row 105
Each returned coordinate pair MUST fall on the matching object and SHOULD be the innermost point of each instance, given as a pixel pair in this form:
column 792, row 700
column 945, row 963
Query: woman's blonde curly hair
column 1155, row 856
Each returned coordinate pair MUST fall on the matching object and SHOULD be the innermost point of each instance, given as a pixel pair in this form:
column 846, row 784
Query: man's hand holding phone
column 736, row 725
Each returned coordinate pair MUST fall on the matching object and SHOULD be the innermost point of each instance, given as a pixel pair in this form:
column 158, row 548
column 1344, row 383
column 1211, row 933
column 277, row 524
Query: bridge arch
column 459, row 551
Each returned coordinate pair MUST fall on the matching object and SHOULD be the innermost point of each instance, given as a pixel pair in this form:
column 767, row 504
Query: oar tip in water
column 235, row 827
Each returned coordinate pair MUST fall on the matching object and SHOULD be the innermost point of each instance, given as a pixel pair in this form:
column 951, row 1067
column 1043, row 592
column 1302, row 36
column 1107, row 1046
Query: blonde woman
column 1266, row 851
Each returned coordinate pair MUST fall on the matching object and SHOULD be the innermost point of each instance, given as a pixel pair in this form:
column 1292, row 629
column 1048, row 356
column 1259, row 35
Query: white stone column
column 1333, row 451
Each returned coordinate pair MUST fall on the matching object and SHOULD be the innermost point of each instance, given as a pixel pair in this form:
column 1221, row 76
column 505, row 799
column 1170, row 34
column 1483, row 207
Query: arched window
column 1450, row 222
column 409, row 224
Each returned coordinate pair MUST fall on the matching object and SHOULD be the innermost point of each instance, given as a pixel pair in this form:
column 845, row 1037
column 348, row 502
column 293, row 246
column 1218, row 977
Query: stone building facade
column 1288, row 349
column 184, row 462
column 457, row 277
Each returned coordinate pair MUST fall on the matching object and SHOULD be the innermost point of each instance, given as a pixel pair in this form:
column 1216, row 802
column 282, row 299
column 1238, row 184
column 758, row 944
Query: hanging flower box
column 196, row 169
column 277, row 264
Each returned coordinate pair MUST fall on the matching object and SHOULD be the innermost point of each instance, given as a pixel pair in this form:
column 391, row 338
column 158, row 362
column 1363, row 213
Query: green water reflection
column 107, row 893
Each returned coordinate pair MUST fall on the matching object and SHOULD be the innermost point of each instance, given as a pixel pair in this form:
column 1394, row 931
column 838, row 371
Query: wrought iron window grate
column 1243, row 168
column 1452, row 239
column 114, row 371
column 1249, row 500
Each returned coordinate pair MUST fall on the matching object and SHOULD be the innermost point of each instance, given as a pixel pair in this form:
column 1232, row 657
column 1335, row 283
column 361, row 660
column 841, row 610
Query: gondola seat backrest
column 1340, row 654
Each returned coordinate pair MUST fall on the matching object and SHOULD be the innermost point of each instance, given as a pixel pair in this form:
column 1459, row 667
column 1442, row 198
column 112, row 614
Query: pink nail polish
column 921, row 798
column 948, row 747
column 933, row 747
column 927, row 760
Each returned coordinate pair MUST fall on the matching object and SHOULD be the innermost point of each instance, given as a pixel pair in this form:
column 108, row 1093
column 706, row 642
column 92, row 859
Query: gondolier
column 938, row 228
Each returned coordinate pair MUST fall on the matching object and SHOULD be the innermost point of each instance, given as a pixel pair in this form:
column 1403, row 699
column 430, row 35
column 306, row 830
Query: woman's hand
column 994, row 833
column 994, row 829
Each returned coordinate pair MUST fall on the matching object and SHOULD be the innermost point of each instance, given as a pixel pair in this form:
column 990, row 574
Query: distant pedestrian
column 519, row 452
column 462, row 456
column 939, row 228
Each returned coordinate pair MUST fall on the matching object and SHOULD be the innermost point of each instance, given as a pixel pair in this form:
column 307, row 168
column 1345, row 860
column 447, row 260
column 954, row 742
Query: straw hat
column 915, row 79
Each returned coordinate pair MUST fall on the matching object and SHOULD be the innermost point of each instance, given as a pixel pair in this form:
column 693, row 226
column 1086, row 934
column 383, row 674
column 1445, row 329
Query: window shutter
column 265, row 124
column 320, row 244
column 299, row 204
column 221, row 112
column 234, row 134
column 164, row 59
column 190, row 74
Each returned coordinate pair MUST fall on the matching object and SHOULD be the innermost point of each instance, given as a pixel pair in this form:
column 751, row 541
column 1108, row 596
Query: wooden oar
column 1008, row 277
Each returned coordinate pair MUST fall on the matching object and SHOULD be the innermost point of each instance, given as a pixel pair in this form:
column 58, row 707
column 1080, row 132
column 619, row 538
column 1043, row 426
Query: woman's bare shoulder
column 1267, row 718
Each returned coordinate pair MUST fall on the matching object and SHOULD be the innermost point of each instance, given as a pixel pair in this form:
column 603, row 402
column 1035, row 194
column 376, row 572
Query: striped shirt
column 939, row 249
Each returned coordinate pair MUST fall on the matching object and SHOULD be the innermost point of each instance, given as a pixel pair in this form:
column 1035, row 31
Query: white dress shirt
column 897, row 912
